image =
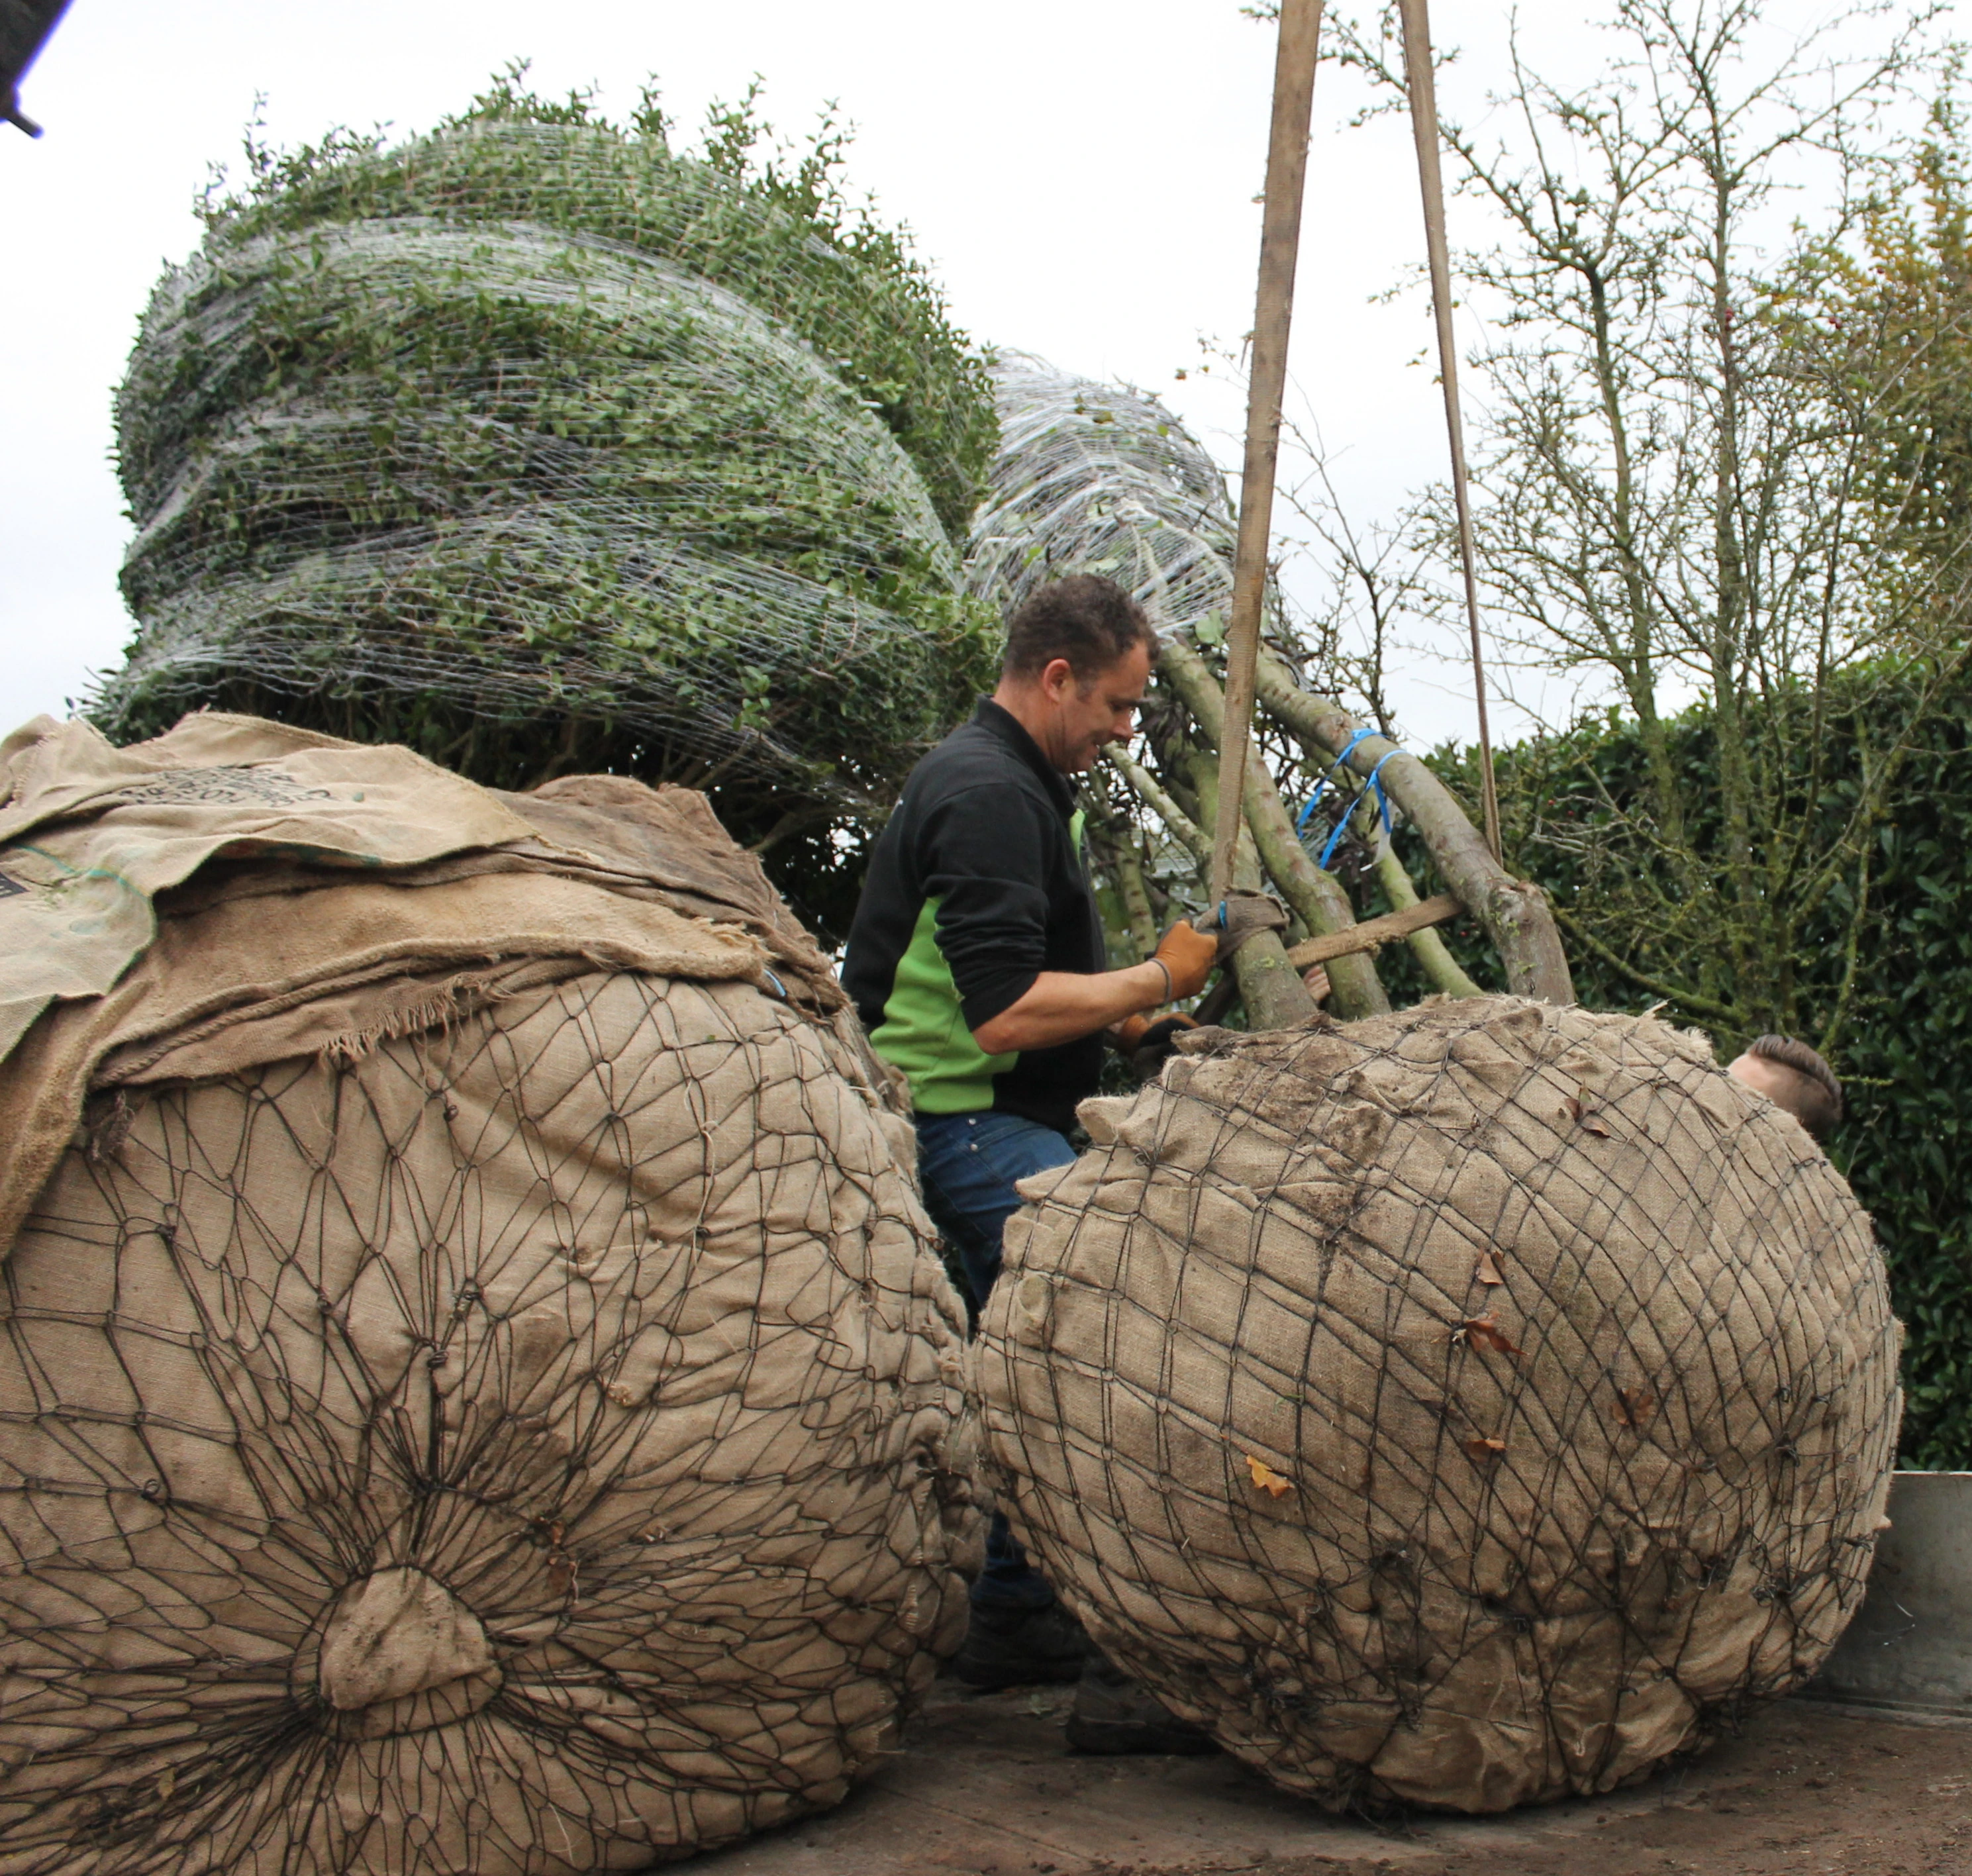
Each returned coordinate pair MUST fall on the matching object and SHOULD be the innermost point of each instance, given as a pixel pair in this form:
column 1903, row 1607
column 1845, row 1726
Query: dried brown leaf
column 1581, row 1110
column 1488, row 1334
column 1264, row 1477
column 1488, row 1271
column 1634, row 1406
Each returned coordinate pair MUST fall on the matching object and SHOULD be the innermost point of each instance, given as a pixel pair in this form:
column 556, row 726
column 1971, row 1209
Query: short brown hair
column 1819, row 1107
column 1089, row 621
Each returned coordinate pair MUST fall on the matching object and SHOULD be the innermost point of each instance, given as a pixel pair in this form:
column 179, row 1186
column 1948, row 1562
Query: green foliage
column 426, row 375
column 1908, row 315
column 784, row 238
column 1894, row 1013
column 529, row 502
column 539, row 448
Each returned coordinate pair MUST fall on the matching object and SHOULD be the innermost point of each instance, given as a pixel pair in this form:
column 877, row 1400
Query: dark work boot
column 1116, row 1713
column 1020, row 1647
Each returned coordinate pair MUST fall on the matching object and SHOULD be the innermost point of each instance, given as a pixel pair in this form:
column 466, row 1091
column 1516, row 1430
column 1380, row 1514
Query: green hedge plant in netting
column 526, row 499
column 784, row 243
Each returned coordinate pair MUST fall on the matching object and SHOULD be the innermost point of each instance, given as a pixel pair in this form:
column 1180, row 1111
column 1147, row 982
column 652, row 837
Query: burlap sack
column 90, row 834
column 474, row 1394
column 306, row 894
column 1467, row 1406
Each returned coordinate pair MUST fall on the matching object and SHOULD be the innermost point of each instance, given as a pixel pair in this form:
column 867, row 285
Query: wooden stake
column 1419, row 82
column 1280, row 244
column 1373, row 933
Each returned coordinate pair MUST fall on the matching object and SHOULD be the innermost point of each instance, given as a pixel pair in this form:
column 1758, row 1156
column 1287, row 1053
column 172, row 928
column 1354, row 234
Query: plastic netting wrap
column 1095, row 478
column 514, row 495
column 870, row 311
column 1467, row 1406
column 476, row 1393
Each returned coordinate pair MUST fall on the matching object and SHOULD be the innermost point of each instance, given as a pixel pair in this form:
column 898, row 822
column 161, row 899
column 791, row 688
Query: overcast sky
column 1080, row 174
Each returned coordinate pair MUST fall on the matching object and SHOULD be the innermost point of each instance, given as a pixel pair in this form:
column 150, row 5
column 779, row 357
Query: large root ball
column 535, row 1446
column 1465, row 1408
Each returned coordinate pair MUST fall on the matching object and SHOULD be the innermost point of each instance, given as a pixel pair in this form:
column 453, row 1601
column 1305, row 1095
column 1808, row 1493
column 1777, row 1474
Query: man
column 977, row 962
column 1791, row 1075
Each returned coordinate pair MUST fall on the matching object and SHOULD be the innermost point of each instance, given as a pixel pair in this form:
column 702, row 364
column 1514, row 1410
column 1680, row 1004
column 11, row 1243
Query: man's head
column 1079, row 655
column 1791, row 1075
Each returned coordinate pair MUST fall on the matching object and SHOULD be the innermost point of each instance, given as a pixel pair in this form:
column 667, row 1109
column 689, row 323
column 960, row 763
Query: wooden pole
column 1419, row 82
column 1280, row 243
column 1373, row 933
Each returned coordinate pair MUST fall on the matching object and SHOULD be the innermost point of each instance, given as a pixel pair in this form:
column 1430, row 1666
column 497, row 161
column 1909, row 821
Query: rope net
column 486, row 491
column 1464, row 1407
column 1095, row 478
column 464, row 1408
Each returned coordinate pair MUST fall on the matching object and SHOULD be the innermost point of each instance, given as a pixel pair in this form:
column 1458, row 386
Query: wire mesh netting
column 522, row 498
column 524, row 1448
column 1096, row 478
column 1464, row 1408
column 856, row 297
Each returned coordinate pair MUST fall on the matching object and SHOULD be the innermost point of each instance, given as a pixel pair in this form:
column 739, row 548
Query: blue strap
column 1348, row 749
column 1374, row 785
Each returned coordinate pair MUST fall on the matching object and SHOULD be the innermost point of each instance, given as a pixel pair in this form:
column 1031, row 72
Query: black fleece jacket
column 976, row 885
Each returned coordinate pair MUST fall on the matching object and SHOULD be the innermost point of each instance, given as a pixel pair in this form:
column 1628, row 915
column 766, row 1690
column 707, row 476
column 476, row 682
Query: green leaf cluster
column 538, row 447
column 529, row 476
column 786, row 241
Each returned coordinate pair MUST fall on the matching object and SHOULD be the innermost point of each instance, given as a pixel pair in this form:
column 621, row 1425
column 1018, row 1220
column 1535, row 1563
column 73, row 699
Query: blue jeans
column 968, row 1163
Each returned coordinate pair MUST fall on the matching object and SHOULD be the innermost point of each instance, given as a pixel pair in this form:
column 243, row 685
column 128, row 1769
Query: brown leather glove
column 1188, row 956
column 1132, row 1032
column 1242, row 915
column 1147, row 1045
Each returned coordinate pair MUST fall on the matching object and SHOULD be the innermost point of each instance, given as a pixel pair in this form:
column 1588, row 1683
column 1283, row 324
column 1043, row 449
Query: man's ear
column 1057, row 679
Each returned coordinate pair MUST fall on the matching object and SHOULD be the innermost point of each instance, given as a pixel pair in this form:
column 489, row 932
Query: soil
column 1808, row 1788
column 985, row 1786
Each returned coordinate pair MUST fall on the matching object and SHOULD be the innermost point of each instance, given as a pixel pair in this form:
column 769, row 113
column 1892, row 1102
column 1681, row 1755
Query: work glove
column 1188, row 955
column 1243, row 915
column 1147, row 1045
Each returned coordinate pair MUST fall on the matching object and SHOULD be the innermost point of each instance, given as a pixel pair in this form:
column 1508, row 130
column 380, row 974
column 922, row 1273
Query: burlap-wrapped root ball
column 533, row 1446
column 1464, row 1408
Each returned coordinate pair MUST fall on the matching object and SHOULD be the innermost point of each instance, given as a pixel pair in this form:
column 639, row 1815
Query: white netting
column 1095, row 478
column 854, row 294
column 1467, row 1406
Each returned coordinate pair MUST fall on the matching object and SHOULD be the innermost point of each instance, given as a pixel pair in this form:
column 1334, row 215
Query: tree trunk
column 1128, row 866
column 1514, row 912
column 1441, row 969
column 1270, row 986
column 1316, row 895
column 1183, row 828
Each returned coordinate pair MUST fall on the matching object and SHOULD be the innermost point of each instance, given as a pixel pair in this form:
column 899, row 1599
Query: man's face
column 1084, row 716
